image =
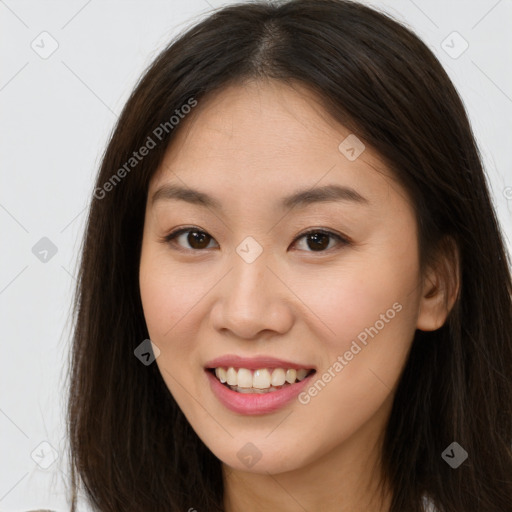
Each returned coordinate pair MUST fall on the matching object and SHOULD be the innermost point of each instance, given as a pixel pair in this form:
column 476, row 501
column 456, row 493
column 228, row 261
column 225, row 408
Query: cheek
column 343, row 303
column 372, row 325
column 168, row 292
column 168, row 297
column 365, row 313
column 171, row 294
column 161, row 307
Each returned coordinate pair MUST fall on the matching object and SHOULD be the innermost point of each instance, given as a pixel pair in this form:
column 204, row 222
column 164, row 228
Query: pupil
column 318, row 240
column 198, row 241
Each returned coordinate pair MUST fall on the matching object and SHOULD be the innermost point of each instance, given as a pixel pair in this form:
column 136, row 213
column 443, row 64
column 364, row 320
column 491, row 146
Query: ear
column 441, row 285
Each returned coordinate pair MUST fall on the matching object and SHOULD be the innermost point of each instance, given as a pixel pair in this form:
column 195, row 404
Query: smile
column 263, row 380
column 256, row 385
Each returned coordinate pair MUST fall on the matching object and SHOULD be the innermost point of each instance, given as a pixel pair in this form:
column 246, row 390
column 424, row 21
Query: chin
column 262, row 456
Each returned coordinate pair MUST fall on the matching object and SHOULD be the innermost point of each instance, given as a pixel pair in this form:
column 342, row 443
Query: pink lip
column 254, row 363
column 255, row 403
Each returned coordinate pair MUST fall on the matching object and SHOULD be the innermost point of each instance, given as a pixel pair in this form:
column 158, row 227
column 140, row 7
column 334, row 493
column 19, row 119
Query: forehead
column 261, row 119
column 261, row 138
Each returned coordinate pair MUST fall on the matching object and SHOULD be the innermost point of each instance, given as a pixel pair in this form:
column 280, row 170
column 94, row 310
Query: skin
column 248, row 146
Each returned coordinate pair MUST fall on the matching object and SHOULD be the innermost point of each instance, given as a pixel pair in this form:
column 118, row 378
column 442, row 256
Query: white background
column 57, row 114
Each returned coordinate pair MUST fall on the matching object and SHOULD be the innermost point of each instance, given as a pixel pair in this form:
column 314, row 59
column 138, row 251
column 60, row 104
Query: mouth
column 261, row 380
column 256, row 385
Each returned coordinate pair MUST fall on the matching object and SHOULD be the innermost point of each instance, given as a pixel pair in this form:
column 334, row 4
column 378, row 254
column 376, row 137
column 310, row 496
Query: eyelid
column 169, row 238
column 342, row 239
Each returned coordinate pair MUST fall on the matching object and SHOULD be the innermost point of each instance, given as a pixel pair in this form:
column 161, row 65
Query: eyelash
column 170, row 238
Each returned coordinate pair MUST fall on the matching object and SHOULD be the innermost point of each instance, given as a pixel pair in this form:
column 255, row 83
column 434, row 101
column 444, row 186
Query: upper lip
column 254, row 363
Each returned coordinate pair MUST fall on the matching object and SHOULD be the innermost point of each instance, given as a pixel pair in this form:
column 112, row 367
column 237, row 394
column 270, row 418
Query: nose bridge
column 251, row 297
column 249, row 280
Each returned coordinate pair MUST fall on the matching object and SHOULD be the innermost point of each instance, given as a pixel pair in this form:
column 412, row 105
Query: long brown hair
column 131, row 446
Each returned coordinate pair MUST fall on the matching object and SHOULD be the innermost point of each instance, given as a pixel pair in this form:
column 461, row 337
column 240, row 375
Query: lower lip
column 255, row 403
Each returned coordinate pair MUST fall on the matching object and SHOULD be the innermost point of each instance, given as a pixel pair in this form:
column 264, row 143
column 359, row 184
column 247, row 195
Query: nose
column 252, row 301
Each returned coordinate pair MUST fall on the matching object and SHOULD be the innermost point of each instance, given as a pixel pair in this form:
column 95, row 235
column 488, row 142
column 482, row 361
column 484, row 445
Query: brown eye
column 319, row 240
column 193, row 239
column 198, row 239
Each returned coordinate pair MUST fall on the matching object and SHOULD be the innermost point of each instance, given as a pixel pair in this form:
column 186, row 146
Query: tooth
column 291, row 375
column 221, row 374
column 301, row 374
column 244, row 378
column 261, row 379
column 254, row 391
column 244, row 390
column 278, row 377
column 232, row 376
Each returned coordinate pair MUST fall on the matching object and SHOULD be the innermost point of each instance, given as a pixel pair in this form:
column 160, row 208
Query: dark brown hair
column 131, row 447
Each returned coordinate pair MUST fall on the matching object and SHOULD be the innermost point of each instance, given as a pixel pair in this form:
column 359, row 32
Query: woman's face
column 246, row 284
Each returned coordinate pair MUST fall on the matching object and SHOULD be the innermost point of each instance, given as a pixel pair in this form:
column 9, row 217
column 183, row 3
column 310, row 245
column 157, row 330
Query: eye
column 196, row 238
column 318, row 240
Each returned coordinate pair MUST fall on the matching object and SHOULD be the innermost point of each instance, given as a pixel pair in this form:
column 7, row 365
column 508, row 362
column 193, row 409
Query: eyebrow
column 301, row 198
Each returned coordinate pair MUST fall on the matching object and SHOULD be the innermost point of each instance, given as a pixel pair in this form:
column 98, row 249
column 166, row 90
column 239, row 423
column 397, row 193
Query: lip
column 254, row 363
column 256, row 403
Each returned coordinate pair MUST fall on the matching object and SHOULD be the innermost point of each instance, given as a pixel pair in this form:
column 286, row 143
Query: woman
column 294, row 292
